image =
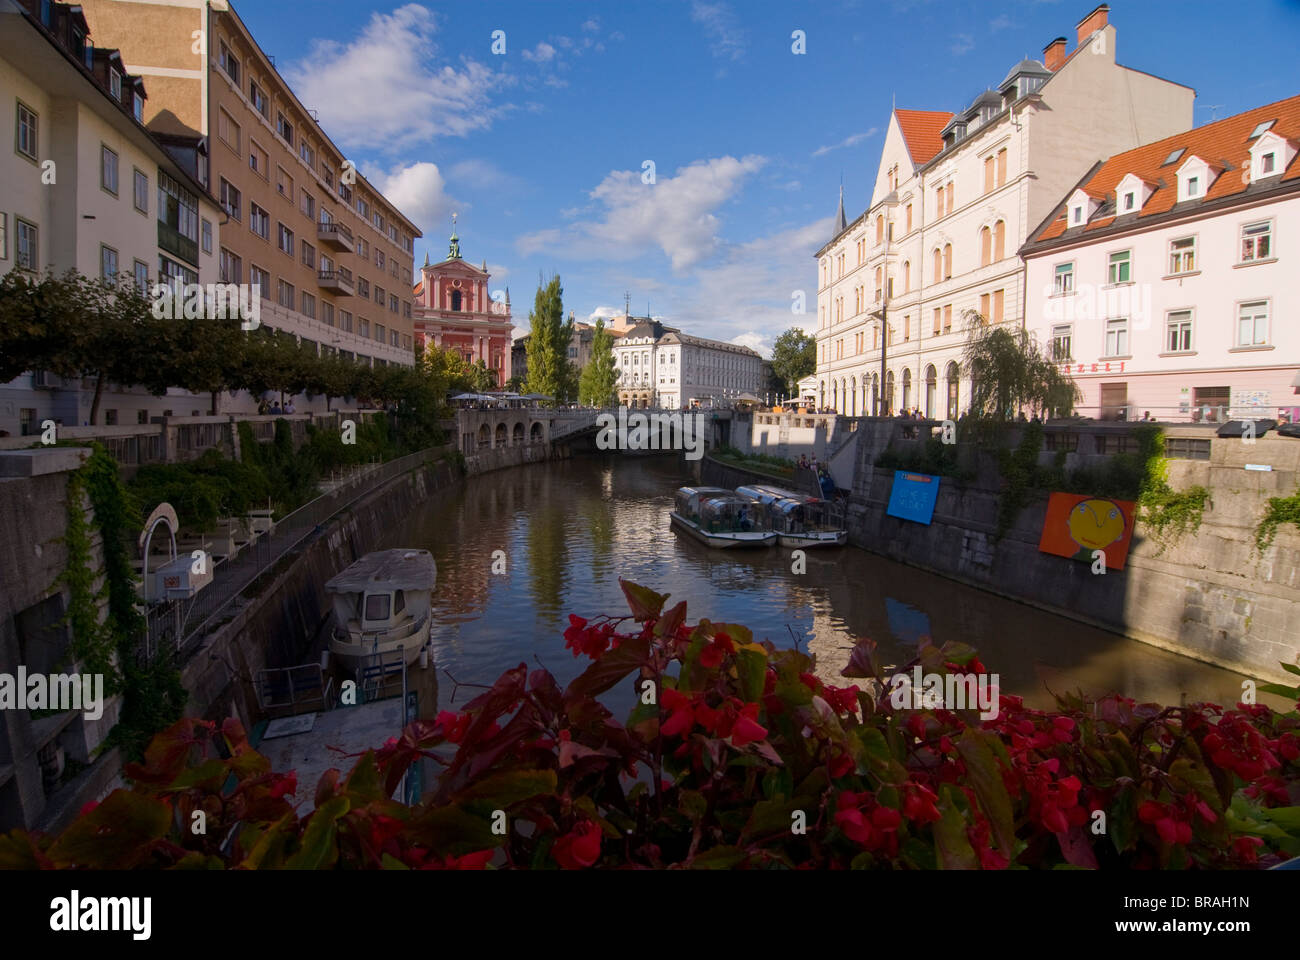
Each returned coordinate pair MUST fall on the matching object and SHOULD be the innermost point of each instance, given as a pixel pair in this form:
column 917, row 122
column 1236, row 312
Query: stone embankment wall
column 277, row 627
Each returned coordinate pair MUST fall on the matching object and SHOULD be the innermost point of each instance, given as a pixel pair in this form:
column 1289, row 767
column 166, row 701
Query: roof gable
column 921, row 130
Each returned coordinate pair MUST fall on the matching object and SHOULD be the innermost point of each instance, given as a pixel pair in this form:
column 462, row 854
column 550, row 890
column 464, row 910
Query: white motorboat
column 719, row 518
column 798, row 519
column 382, row 608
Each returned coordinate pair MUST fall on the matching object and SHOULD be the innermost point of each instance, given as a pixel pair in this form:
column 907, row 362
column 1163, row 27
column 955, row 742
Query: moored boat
column 382, row 608
column 798, row 519
column 720, row 518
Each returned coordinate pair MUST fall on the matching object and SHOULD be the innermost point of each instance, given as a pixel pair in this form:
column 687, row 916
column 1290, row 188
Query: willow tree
column 1010, row 374
column 549, row 370
column 596, row 386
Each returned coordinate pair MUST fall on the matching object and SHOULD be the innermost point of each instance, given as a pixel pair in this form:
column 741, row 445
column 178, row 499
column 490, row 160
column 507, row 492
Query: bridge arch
column 502, row 439
column 518, row 436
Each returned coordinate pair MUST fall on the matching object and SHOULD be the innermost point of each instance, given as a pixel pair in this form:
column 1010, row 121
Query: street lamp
column 882, row 314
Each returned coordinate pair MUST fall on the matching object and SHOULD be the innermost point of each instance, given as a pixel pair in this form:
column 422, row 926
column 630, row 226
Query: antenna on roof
column 1214, row 109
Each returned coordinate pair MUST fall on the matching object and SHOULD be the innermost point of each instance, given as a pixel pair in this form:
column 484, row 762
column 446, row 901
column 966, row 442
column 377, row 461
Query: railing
column 333, row 231
column 233, row 577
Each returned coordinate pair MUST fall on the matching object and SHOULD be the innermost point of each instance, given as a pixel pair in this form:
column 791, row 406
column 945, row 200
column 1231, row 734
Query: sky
column 680, row 151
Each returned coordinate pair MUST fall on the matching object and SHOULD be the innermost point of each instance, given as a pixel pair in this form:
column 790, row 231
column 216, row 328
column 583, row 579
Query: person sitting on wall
column 289, row 407
column 275, row 409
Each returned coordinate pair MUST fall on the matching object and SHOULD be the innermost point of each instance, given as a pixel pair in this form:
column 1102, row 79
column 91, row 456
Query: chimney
column 1092, row 23
column 1054, row 54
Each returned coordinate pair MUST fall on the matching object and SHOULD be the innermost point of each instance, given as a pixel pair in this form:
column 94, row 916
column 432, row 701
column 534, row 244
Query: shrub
column 745, row 760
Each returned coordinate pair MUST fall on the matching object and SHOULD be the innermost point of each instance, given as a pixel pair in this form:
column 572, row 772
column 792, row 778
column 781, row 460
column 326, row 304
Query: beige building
column 955, row 196
column 84, row 186
column 333, row 258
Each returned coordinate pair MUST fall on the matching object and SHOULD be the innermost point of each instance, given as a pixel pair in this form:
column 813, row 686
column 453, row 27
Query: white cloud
column 419, row 191
column 849, row 141
column 961, row 43
column 675, row 214
column 591, row 26
column 498, row 272
column 1000, row 22
column 605, row 313
column 542, row 53
column 482, row 174
column 722, row 28
column 757, row 342
column 395, row 54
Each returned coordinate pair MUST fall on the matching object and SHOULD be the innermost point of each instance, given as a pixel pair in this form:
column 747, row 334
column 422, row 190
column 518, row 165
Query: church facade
column 454, row 310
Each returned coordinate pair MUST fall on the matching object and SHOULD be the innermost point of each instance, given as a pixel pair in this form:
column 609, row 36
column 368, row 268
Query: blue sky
column 541, row 151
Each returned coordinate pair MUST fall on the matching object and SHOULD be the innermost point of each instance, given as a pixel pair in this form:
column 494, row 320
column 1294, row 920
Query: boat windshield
column 732, row 514
column 377, row 606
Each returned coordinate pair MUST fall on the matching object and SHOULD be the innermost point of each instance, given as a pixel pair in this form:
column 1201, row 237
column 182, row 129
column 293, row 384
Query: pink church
column 453, row 310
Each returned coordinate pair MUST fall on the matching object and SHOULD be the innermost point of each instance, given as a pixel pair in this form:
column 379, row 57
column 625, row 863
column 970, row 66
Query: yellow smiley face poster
column 1077, row 525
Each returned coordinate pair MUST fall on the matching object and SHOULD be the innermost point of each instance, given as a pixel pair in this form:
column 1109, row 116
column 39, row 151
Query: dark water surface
column 570, row 529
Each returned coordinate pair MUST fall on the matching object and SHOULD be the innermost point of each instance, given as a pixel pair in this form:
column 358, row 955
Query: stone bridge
column 480, row 430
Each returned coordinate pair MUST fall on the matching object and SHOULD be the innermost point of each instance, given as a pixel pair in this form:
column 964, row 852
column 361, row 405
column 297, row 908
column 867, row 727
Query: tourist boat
column 382, row 609
column 720, row 518
column 798, row 519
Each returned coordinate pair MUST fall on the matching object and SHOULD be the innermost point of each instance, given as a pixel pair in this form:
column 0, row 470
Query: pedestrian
column 275, row 409
column 289, row 407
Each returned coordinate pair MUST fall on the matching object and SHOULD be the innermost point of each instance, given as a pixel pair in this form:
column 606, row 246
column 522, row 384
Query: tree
column 1010, row 374
column 549, row 370
column 596, row 385
column 794, row 356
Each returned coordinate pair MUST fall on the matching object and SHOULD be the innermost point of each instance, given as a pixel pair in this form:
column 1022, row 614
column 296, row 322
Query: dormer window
column 115, row 84
column 1270, row 155
column 1195, row 177
column 1261, row 129
column 1174, row 156
column 137, row 107
column 1193, row 186
column 1081, row 207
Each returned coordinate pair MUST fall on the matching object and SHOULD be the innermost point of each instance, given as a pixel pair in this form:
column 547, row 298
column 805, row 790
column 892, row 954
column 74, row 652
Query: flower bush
column 735, row 756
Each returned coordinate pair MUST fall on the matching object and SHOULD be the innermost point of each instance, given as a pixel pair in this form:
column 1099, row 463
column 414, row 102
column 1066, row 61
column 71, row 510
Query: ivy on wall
column 1280, row 510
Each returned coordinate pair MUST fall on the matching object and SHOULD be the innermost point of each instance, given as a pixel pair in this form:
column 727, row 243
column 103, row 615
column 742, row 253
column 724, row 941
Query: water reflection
column 569, row 529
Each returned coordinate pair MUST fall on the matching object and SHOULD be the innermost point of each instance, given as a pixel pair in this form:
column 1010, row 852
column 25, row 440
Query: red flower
column 746, row 729
column 918, row 804
column 841, row 765
column 454, row 725
column 857, row 828
column 680, row 715
column 593, row 641
column 885, row 818
column 578, row 848
column 842, row 700
column 285, row 784
column 711, row 656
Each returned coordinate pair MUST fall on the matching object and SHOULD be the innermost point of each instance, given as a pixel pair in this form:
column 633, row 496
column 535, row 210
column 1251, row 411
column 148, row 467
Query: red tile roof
column 1223, row 145
column 920, row 129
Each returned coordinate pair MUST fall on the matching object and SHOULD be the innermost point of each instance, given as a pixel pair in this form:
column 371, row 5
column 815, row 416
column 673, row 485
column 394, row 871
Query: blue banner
column 913, row 496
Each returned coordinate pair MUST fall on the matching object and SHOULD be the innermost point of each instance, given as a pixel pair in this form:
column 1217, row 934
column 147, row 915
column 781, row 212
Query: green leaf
column 644, row 603
column 718, row 858
column 770, row 816
column 751, row 662
column 115, row 835
column 210, row 774
column 1121, row 820
column 364, row 784
column 1280, row 690
column 319, row 847
column 1191, row 775
column 954, row 849
column 500, row 790
column 613, row 666
column 986, row 779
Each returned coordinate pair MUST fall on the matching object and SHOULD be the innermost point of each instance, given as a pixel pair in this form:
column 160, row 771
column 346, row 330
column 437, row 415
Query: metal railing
column 234, row 576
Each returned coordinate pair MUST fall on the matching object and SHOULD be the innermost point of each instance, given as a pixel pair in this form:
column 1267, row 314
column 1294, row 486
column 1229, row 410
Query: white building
column 955, row 196
column 1167, row 281
column 86, row 187
column 659, row 366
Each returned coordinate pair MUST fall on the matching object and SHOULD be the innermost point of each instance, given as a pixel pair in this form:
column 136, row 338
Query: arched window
column 455, row 300
column 907, row 275
column 953, row 375
column 907, row 390
column 947, row 260
column 834, row 393
column 875, row 393
column 877, row 284
column 931, row 378
column 999, row 240
column 853, row 398
column 938, row 265
column 986, row 246
column 889, row 392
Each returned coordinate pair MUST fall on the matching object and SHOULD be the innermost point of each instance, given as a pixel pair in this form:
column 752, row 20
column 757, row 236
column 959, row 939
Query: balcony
column 339, row 281
column 336, row 236
column 177, row 244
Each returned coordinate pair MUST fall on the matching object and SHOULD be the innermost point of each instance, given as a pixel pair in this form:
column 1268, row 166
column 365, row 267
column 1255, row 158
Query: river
column 565, row 531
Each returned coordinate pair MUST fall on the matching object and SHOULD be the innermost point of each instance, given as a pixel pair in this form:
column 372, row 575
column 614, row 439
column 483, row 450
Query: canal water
column 567, row 530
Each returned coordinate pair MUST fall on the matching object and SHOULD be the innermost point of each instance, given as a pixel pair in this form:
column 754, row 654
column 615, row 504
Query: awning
column 402, row 569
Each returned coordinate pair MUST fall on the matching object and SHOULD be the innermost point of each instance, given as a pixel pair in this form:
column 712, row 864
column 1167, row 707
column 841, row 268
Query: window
column 379, row 259
column 1174, row 156
column 260, row 279
column 308, row 305
column 394, row 340
column 377, row 605
column 1193, row 186
column 228, row 130
column 285, row 294
column 178, row 219
column 307, row 153
column 938, row 265
column 141, row 271
column 1117, row 338
column 379, row 332
column 259, row 222
column 258, row 161
column 1119, row 268
column 947, row 261
column 1256, row 241
column 140, row 192
column 909, row 218
column 990, row 171
column 327, row 313
column 1061, row 337
column 107, row 263
column 230, row 267
column 345, row 321
column 1182, row 255
column 308, row 255
column 1178, row 331
column 108, row 170
column 1130, row 201
column 230, row 199
column 907, row 275
column 1252, row 324
column 1002, row 166
column 379, row 295
column 999, row 302
column 1261, row 129
column 985, row 306
column 307, row 203
column 1076, row 215
column 25, row 135
column 284, row 238
column 938, row 196
column 284, row 183
column 205, row 234
column 173, row 274
column 392, row 302
column 137, row 107
column 228, row 62
column 363, row 288
column 1267, row 163
column 258, row 98
column 947, row 318
column 284, row 128
column 1062, row 280
column 986, row 245
column 951, row 204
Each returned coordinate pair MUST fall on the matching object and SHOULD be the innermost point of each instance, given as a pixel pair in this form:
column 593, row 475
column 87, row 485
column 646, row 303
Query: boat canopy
column 401, row 569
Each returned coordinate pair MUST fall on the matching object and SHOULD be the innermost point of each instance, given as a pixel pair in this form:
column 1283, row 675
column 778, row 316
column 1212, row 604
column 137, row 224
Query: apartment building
column 579, row 352
column 659, row 366
column 332, row 257
column 955, row 196
column 85, row 186
column 1167, row 280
